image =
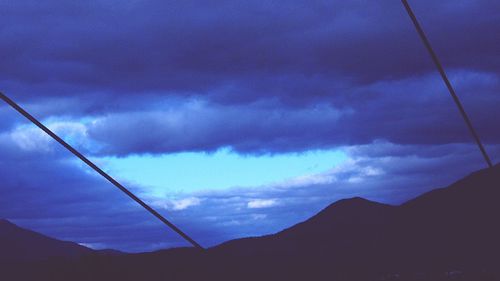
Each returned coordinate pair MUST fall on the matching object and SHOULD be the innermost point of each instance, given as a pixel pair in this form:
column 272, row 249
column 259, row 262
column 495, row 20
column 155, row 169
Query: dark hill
column 448, row 228
column 454, row 230
column 18, row 244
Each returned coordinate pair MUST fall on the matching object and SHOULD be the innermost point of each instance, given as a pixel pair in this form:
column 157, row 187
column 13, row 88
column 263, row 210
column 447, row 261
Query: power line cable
column 98, row 170
column 440, row 68
column 424, row 39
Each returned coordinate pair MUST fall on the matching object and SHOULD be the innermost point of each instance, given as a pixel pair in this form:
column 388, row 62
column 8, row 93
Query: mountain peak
column 341, row 213
column 5, row 222
column 354, row 203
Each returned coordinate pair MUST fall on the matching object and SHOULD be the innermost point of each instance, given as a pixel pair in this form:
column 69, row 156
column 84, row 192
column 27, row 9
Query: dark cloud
column 410, row 111
column 190, row 48
column 262, row 68
column 256, row 76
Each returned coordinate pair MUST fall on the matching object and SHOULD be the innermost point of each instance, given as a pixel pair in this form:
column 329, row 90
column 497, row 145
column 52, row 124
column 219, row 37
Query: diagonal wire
column 98, row 170
column 424, row 39
column 440, row 68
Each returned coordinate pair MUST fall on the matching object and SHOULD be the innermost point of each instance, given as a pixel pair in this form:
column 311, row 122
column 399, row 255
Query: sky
column 235, row 118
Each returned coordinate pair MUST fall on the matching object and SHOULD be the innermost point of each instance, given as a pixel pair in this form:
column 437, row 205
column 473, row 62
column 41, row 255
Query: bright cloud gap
column 187, row 172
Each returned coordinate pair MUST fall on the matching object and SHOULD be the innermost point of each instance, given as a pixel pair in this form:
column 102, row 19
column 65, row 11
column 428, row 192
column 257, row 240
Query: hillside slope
column 453, row 229
column 18, row 244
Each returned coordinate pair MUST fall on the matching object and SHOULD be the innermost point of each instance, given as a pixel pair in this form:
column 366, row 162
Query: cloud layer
column 151, row 78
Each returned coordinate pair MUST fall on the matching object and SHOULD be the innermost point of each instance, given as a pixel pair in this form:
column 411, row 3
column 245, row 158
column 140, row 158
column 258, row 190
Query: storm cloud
column 119, row 79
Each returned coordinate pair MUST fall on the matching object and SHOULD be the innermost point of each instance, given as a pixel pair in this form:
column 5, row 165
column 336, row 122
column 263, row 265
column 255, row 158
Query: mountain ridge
column 443, row 230
column 453, row 223
column 19, row 244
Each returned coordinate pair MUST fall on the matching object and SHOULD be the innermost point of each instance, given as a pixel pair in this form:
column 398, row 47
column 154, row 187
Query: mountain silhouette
column 451, row 232
column 453, row 227
column 18, row 244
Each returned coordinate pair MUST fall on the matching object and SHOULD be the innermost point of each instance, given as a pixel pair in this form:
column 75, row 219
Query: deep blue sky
column 235, row 118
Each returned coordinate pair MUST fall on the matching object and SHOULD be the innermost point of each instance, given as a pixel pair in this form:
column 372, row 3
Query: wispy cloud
column 184, row 203
column 176, row 204
column 261, row 203
column 31, row 138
